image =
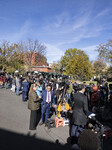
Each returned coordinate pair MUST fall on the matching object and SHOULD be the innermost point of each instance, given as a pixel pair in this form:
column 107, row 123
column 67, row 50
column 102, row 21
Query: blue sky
column 59, row 24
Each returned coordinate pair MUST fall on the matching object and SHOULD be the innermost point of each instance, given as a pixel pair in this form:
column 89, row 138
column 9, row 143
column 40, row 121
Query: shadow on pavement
column 14, row 141
column 108, row 143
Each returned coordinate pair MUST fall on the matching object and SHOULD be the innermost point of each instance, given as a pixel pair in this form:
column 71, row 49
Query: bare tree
column 99, row 67
column 105, row 51
column 30, row 49
column 40, row 59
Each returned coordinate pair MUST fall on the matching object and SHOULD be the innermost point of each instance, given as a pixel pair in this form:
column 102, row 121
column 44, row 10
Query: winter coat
column 25, row 86
column 70, row 89
column 13, row 82
column 80, row 109
column 95, row 98
column 33, row 101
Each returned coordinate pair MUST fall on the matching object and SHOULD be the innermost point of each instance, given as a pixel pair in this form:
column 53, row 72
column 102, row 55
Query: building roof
column 41, row 67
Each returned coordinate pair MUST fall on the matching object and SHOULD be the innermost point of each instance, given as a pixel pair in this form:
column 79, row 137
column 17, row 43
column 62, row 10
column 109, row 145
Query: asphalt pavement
column 14, row 123
column 15, row 133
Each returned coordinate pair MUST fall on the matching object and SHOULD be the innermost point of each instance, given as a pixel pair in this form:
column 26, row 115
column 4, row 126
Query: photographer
column 110, row 94
column 88, row 93
column 68, row 92
column 80, row 111
column 95, row 97
column 104, row 90
column 61, row 92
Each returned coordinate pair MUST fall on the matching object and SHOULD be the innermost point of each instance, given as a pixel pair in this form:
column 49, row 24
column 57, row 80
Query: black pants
column 34, row 119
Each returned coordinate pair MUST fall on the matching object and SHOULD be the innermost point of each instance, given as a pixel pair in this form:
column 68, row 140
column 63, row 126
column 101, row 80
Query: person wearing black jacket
column 80, row 111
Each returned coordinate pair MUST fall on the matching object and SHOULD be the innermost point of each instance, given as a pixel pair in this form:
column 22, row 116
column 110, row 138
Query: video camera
column 63, row 86
column 94, row 124
column 97, row 127
column 75, row 87
column 88, row 89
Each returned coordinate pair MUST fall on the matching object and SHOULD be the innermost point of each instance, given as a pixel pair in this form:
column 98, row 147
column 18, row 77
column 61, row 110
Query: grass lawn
column 95, row 82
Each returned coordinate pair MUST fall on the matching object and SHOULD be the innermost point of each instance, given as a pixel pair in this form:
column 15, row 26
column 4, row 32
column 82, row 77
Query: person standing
column 10, row 82
column 39, row 90
column 1, row 80
column 95, row 97
column 105, row 90
column 4, row 81
column 47, row 100
column 25, row 88
column 17, row 85
column 13, row 84
column 80, row 112
column 34, row 106
column 68, row 92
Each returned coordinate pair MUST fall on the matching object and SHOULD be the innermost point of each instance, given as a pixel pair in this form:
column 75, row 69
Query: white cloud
column 66, row 29
column 91, row 51
column 81, row 21
column 53, row 53
column 61, row 20
column 103, row 13
column 63, row 26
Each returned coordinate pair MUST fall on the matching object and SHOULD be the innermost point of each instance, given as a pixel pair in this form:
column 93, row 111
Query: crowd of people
column 44, row 92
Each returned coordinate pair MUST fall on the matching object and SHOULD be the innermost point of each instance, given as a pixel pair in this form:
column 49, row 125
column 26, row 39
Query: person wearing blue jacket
column 47, row 101
column 25, row 88
column 39, row 90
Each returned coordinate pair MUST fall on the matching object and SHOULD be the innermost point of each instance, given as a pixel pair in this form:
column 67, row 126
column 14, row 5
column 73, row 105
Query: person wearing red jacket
column 1, row 80
column 4, row 80
column 95, row 97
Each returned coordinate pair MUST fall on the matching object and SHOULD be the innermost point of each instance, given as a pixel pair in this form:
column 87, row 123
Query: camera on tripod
column 95, row 125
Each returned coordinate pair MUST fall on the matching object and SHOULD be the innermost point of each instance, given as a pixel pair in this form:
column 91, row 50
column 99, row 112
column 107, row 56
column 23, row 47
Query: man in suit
column 80, row 111
column 47, row 100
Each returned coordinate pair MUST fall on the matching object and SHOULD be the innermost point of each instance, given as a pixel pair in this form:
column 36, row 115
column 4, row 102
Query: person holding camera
column 69, row 91
column 104, row 90
column 80, row 112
